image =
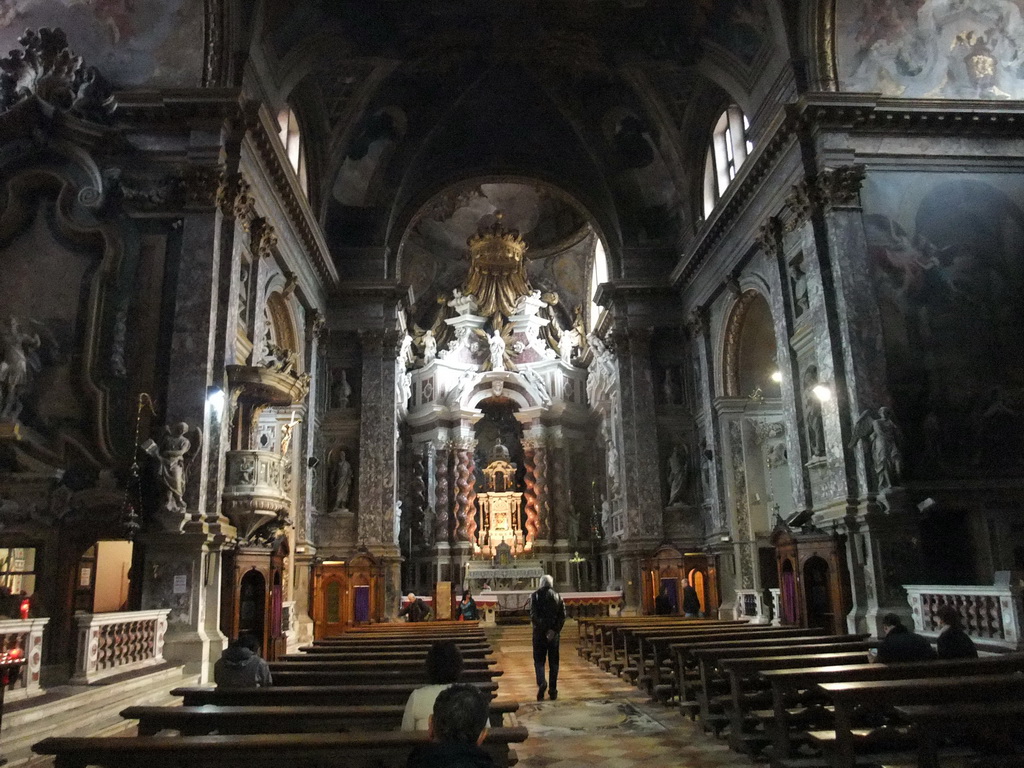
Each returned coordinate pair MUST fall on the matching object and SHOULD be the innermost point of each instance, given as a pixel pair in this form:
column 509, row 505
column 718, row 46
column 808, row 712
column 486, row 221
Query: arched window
column 728, row 149
column 291, row 140
column 598, row 275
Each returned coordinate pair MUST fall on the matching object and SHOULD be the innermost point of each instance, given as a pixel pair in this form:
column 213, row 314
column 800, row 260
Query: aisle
column 598, row 719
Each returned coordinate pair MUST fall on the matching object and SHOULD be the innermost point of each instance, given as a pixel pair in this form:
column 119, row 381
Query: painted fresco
column 954, row 49
column 132, row 42
column 948, row 263
column 739, row 26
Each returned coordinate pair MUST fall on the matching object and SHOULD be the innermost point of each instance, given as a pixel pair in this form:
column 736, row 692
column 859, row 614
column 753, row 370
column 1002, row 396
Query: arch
column 746, row 362
column 523, row 394
column 282, row 326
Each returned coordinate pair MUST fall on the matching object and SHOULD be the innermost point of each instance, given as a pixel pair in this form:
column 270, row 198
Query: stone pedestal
column 183, row 574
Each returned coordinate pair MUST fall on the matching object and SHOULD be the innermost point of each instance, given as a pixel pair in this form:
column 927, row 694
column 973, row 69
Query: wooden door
column 330, row 589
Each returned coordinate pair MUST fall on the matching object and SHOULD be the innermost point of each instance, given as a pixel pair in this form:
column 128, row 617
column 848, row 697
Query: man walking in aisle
column 547, row 612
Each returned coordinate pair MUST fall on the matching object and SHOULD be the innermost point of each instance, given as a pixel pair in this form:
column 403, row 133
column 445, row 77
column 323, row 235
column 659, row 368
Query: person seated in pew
column 241, row 666
column 415, row 609
column 457, row 727
column 467, row 608
column 444, row 668
column 953, row 642
column 663, row 605
column 900, row 644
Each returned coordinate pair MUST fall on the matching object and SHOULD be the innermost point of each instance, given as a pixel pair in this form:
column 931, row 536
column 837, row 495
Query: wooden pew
column 392, row 693
column 745, row 682
column 288, row 750
column 207, row 719
column 787, row 684
column 610, row 637
column 655, row 651
column 622, row 642
column 713, row 686
column 874, row 694
column 933, row 722
column 686, row 685
column 592, row 631
column 285, row 676
column 331, row 664
column 408, row 651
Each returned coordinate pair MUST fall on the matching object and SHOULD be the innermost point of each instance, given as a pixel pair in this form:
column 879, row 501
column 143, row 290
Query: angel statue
column 18, row 349
column 178, row 449
column 884, row 436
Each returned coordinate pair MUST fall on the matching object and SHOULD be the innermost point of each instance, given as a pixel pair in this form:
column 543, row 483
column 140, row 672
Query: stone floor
column 598, row 720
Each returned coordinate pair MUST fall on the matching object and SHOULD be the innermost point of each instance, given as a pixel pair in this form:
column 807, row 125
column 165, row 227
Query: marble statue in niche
column 342, row 481
column 798, row 285
column 813, row 421
column 19, row 357
column 176, row 445
column 566, row 344
column 341, row 390
column 884, row 437
column 678, row 475
column 496, row 345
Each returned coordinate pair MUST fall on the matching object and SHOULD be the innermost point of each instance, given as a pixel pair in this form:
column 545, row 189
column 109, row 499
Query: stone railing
column 990, row 615
column 27, row 637
column 750, row 606
column 255, row 489
column 111, row 643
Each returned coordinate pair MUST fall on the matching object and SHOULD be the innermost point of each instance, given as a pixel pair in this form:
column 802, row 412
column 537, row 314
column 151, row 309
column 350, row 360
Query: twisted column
column 418, row 494
column 463, row 488
column 471, row 522
column 540, row 458
column 529, row 459
column 560, row 494
column 442, row 528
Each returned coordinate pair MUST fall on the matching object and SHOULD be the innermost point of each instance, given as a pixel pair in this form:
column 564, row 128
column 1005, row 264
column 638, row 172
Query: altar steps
column 512, row 618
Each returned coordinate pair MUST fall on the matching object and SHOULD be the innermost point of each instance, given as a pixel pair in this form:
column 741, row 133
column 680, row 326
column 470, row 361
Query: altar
column 501, row 576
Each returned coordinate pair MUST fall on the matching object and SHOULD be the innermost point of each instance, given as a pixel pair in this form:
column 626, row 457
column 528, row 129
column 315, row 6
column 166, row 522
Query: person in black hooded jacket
column 240, row 666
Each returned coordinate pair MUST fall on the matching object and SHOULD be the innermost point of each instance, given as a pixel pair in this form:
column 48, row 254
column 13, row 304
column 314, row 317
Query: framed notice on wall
column 443, row 601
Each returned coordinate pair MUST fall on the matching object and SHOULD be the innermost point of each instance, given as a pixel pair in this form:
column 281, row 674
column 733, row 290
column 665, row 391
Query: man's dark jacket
column 954, row 643
column 547, row 611
column 437, row 754
column 902, row 645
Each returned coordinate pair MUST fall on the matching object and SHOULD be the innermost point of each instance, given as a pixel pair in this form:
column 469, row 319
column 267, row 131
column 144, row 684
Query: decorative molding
column 47, row 70
column 769, row 237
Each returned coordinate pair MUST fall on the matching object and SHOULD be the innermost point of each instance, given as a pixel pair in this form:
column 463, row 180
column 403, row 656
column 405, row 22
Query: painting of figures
column 950, row 49
column 133, row 42
column 947, row 254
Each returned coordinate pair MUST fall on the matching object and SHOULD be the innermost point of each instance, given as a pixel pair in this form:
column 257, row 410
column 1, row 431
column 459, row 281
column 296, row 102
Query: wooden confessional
column 346, row 593
column 670, row 569
column 252, row 596
column 813, row 580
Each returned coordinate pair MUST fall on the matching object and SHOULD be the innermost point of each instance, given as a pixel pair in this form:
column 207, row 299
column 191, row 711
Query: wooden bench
column 285, row 675
column 847, row 697
column 207, row 719
column 603, row 630
column 394, row 693
column 749, row 690
column 932, row 722
column 288, row 750
column 408, row 651
column 793, row 685
column 301, row 662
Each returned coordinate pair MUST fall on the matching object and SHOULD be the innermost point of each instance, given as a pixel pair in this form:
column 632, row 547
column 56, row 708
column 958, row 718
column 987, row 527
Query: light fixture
column 215, row 399
column 776, row 376
column 823, row 393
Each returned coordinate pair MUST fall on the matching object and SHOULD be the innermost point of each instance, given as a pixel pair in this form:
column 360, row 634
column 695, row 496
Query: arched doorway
column 817, row 600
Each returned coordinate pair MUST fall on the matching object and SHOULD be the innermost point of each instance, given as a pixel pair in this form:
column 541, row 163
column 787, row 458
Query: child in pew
column 241, row 666
column 457, row 727
column 444, row 668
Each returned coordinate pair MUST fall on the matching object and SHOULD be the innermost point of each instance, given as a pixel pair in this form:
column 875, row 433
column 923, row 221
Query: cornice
column 617, row 290
column 382, row 290
column 850, row 112
column 209, row 107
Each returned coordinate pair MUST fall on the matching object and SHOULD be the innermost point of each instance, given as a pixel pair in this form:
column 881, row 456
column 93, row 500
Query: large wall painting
column 952, row 49
column 132, row 42
column 948, row 263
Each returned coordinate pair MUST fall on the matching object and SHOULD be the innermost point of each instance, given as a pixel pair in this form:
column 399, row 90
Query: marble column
column 442, row 495
column 561, row 501
column 542, row 490
column 462, row 511
column 632, row 348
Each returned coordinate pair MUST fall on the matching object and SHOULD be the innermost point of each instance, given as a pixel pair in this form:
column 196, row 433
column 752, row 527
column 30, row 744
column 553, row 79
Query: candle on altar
column 24, row 609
